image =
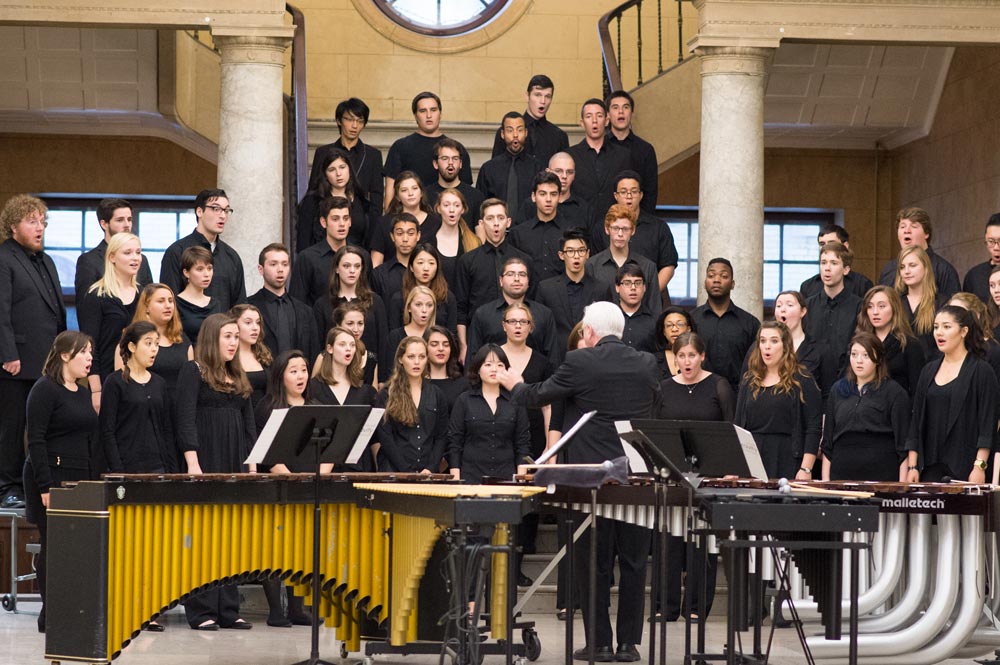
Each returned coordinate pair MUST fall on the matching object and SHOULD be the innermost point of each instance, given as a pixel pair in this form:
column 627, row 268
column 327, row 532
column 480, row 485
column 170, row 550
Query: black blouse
column 192, row 316
column 484, row 443
column 376, row 324
column 784, row 413
column 451, row 389
column 104, row 318
column 169, row 361
column 709, row 399
column 874, row 410
column 904, row 364
column 364, row 395
column 412, row 449
column 62, row 431
column 136, row 427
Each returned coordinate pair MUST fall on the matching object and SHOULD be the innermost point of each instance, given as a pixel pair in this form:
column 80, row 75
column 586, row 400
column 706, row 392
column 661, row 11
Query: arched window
column 442, row 18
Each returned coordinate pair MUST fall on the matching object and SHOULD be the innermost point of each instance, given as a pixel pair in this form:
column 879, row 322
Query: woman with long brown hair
column 882, row 315
column 335, row 177
column 156, row 305
column 408, row 195
column 413, row 432
column 780, row 404
column 215, row 430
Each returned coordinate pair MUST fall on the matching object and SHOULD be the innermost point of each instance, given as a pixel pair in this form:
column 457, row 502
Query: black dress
column 412, row 449
column 136, row 426
column 537, row 370
column 451, row 388
column 170, row 360
column 376, row 325
column 709, row 399
column 62, row 434
column 192, row 316
column 363, row 395
column 258, row 381
column 482, row 442
column 784, row 425
column 104, row 318
column 864, row 434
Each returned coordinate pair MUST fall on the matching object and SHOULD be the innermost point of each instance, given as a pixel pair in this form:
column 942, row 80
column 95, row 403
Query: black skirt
column 865, row 456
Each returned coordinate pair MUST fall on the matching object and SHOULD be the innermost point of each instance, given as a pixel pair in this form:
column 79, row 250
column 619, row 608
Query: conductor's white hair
column 605, row 318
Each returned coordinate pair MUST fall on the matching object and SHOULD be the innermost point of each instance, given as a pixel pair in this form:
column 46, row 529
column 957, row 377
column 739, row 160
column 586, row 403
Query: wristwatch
column 980, row 464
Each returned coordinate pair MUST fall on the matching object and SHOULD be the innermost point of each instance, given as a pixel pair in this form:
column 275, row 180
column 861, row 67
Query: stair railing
column 611, row 69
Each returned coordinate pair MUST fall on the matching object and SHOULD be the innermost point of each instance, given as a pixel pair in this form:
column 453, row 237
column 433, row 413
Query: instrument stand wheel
column 993, row 661
column 9, row 603
column 367, row 660
column 344, row 653
column 532, row 645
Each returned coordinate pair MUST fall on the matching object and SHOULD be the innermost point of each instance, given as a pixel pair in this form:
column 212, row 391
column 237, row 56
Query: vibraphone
column 124, row 550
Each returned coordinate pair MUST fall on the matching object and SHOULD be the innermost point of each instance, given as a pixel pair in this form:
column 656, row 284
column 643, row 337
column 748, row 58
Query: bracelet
column 802, row 468
column 95, row 391
column 911, row 468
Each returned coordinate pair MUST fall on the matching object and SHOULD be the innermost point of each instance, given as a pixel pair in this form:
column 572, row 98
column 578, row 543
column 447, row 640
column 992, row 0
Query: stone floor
column 21, row 644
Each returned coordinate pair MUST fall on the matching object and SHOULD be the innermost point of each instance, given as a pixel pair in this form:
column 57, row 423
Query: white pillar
column 251, row 144
column 731, row 191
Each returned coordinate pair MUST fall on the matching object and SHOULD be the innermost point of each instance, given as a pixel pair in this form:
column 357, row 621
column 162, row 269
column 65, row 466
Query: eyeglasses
column 512, row 273
column 580, row 251
column 517, row 322
column 218, row 210
column 629, row 283
column 992, row 242
column 629, row 193
column 35, row 221
column 675, row 325
column 620, row 229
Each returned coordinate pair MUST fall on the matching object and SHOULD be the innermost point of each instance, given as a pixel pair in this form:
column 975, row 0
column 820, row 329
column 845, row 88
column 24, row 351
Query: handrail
column 298, row 124
column 611, row 57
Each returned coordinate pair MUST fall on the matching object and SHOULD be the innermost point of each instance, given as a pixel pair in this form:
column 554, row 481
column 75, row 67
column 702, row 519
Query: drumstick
column 801, row 487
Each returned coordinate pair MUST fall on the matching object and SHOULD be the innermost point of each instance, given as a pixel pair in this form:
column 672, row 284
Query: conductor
column 620, row 383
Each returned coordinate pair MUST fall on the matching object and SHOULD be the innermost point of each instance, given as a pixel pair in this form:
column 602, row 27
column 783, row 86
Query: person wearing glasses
column 487, row 322
column 977, row 280
column 228, row 287
column 619, row 225
column 31, row 315
column 639, row 323
column 652, row 237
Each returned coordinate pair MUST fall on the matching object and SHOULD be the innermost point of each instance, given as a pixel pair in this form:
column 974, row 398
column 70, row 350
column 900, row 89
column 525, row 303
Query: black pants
column 630, row 544
column 36, row 514
column 13, row 398
column 677, row 563
column 220, row 604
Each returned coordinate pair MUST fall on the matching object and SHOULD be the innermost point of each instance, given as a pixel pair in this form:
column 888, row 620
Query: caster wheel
column 343, row 650
column 532, row 645
column 9, row 603
column 368, row 660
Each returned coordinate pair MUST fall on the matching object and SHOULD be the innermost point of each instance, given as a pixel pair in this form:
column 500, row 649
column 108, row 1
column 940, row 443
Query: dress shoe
column 153, row 627
column 524, row 580
column 239, row 624
column 12, row 501
column 627, row 653
column 209, row 626
column 561, row 615
column 601, row 654
column 300, row 619
column 279, row 622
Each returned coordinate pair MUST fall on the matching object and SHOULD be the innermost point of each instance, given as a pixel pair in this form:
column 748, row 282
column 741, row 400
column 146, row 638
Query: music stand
column 703, row 448
column 314, row 435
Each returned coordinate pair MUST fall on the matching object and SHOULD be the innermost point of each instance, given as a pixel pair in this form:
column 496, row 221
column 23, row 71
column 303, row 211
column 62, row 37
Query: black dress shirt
column 409, row 449
column 228, row 287
column 487, row 326
column 136, row 426
column 874, row 410
column 104, row 318
column 309, row 231
column 473, row 199
column 945, row 275
column 381, row 240
column 639, row 328
column 482, row 442
column 388, row 277
column 727, row 339
column 652, row 239
column 62, row 431
column 611, row 378
column 367, row 164
column 492, row 179
column 416, row 153
column 854, row 282
column 544, row 139
column 603, row 267
column 477, row 278
column 540, row 240
column 595, row 175
column 90, row 268
column 573, row 210
column 567, row 299
column 311, row 271
column 831, row 322
column 799, row 413
column 295, row 316
column 643, row 156
column 977, row 280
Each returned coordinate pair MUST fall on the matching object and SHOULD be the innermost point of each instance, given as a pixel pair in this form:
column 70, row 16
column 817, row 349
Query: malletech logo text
column 914, row 503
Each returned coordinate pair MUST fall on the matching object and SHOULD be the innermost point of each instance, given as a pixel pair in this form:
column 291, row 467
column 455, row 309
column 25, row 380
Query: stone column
column 251, row 143
column 731, row 191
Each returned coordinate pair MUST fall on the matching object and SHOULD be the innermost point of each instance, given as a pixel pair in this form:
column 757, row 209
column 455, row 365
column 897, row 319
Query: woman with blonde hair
column 780, row 404
column 157, row 305
column 412, row 435
column 109, row 305
column 419, row 314
column 883, row 315
column 455, row 237
column 918, row 292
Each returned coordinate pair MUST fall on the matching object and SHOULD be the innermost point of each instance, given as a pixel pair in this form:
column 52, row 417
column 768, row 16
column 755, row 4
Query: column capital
column 255, row 49
column 748, row 60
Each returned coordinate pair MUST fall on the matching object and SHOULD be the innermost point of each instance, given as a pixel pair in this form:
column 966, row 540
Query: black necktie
column 512, row 185
column 283, row 326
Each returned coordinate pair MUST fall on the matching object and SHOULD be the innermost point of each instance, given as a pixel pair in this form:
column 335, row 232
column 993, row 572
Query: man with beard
column 448, row 164
column 288, row 323
column 509, row 175
column 727, row 330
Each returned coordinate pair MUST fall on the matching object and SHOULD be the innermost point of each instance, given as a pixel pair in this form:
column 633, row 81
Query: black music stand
column 309, row 436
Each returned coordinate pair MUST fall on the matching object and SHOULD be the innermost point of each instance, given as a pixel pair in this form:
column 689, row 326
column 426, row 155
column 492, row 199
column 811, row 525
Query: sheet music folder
column 287, row 438
column 695, row 448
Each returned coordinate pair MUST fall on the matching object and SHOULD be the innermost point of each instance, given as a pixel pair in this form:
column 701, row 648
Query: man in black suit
column 510, row 175
column 31, row 315
column 598, row 161
column 619, row 383
column 352, row 118
column 568, row 294
column 288, row 323
column 114, row 216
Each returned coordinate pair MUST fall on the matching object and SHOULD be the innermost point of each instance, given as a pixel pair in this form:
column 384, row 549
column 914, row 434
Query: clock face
column 442, row 18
